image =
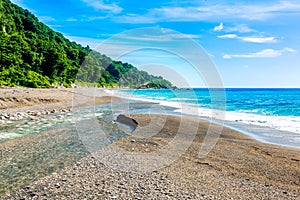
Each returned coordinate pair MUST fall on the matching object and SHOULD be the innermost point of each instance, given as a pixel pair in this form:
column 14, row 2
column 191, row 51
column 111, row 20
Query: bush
column 14, row 76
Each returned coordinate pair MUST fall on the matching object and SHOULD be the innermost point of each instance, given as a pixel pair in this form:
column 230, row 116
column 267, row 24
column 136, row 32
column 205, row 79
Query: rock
column 26, row 188
column 57, row 185
column 20, row 114
column 47, row 112
column 32, row 194
column 12, row 118
column 127, row 121
column 59, row 117
column 132, row 140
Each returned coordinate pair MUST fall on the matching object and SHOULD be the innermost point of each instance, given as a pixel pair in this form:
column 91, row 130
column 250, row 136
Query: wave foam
column 282, row 123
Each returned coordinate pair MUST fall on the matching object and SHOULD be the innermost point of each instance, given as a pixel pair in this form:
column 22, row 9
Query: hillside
column 33, row 55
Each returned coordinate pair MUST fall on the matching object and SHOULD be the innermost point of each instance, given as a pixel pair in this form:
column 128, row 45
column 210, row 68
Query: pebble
column 12, row 118
column 38, row 113
column 30, row 115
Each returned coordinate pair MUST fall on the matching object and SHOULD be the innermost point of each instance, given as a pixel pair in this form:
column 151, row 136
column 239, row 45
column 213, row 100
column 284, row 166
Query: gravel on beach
column 20, row 103
column 238, row 167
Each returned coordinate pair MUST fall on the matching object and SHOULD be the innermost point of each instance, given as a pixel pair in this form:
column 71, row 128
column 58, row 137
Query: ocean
column 268, row 115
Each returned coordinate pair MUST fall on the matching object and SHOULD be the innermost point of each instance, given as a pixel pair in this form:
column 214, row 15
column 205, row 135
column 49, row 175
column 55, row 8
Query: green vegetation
column 33, row 55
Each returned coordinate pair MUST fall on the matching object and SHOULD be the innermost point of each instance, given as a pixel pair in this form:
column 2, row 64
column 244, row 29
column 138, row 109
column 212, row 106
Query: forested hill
column 33, row 55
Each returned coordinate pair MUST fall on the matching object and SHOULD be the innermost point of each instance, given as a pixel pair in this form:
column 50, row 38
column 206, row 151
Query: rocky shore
column 7, row 118
column 21, row 103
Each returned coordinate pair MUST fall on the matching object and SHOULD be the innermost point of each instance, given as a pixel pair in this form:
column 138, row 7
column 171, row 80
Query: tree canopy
column 33, row 55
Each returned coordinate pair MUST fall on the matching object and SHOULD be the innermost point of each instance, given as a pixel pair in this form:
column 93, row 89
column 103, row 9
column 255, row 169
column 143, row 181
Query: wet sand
column 238, row 167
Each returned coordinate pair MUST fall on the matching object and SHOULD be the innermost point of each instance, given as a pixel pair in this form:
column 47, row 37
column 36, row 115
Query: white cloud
column 228, row 36
column 249, row 39
column 241, row 28
column 227, row 56
column 163, row 36
column 259, row 39
column 183, row 36
column 92, row 18
column 290, row 50
column 100, row 5
column 124, row 40
column 266, row 53
column 219, row 28
column 254, row 11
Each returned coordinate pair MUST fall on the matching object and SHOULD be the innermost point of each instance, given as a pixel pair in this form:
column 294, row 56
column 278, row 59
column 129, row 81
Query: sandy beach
column 238, row 167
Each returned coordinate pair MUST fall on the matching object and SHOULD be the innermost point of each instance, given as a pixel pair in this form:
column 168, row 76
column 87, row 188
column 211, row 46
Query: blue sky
column 252, row 43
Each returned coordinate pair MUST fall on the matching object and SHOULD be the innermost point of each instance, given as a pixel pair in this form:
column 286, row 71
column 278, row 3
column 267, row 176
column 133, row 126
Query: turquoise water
column 267, row 102
column 269, row 115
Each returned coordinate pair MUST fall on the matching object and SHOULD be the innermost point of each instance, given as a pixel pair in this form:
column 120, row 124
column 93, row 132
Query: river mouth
column 31, row 149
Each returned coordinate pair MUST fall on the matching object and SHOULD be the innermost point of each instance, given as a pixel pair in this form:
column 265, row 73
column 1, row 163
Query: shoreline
column 237, row 167
column 259, row 132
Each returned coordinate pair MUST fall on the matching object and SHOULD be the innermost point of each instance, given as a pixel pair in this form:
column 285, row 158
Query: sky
column 191, row 42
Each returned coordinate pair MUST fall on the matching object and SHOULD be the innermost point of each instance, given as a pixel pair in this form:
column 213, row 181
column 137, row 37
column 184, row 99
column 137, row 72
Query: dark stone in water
column 127, row 121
